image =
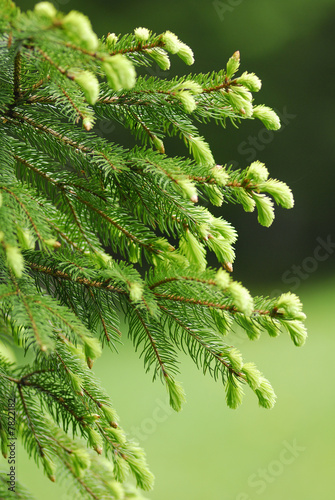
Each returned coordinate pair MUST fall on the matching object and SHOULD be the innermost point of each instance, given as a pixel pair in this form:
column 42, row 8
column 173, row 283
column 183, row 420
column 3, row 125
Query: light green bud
column 134, row 252
column 171, row 41
column 76, row 351
column 193, row 250
column 245, row 199
column 176, row 393
column 117, row 435
column 45, row 9
column 222, row 279
column 142, row 34
column 264, row 208
column 257, row 172
column 15, row 260
column 220, row 175
column 265, row 393
column 88, row 123
column 88, row 83
column 76, row 383
column 224, row 228
column 26, row 239
column 267, row 116
column 82, row 457
column 102, row 259
column 251, row 328
column 250, row 80
column 241, row 298
column 187, row 100
column 186, row 54
column 52, row 243
column 271, row 325
column 111, row 40
column 95, row 440
column 135, row 291
column 235, row 359
column 120, row 72
column 280, row 191
column 233, row 64
column 234, row 393
column 200, row 150
column 221, row 247
column 289, row 304
column 109, row 414
column 222, row 320
column 0, row 199
column 159, row 144
column 189, row 85
column 203, row 230
column 189, row 189
column 160, row 57
column 245, row 94
column 297, row 331
column 49, row 468
column 215, row 195
column 236, row 101
column 92, row 347
column 78, row 27
column 253, row 375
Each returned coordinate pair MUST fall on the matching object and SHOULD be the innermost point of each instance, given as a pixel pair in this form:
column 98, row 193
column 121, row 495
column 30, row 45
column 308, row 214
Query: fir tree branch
column 139, row 48
column 197, row 337
column 17, row 71
column 153, row 344
column 200, row 302
column 82, row 281
column 25, row 210
column 30, row 423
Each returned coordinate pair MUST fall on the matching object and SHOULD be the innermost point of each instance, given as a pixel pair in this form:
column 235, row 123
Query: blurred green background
column 208, row 451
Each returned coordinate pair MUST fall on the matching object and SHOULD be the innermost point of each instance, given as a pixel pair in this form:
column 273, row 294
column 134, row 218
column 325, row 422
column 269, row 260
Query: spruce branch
column 79, row 214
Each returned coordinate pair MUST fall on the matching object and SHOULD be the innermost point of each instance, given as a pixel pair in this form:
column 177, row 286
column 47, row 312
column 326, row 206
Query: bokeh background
column 208, row 451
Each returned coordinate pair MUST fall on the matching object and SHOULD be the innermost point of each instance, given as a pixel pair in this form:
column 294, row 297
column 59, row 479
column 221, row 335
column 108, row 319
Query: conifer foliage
column 91, row 232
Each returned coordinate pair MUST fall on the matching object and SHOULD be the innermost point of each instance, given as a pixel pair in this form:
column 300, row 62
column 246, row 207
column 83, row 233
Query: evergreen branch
column 72, row 103
column 32, row 322
column 60, row 179
column 62, row 138
column 82, row 281
column 153, row 344
column 197, row 337
column 30, row 423
column 47, row 58
column 81, row 482
column 118, row 226
column 139, row 48
column 19, row 202
column 225, row 85
column 17, row 71
column 200, row 302
column 185, row 278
